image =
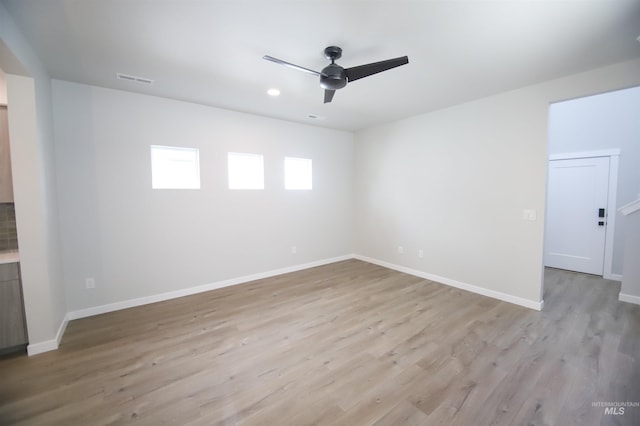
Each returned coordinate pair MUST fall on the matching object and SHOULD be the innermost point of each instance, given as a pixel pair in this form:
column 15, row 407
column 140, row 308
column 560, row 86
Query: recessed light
column 273, row 92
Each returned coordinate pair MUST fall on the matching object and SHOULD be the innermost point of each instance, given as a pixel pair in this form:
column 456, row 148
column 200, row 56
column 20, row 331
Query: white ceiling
column 210, row 52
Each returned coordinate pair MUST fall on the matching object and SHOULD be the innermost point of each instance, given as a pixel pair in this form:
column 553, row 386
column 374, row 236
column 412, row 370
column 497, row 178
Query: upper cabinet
column 6, row 182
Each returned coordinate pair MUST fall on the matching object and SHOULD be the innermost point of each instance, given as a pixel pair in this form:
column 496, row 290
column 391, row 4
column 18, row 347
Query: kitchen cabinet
column 6, row 181
column 13, row 333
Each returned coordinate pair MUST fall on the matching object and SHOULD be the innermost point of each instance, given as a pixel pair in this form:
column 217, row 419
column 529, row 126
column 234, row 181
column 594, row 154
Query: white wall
column 31, row 138
column 139, row 242
column 600, row 122
column 630, row 288
column 454, row 183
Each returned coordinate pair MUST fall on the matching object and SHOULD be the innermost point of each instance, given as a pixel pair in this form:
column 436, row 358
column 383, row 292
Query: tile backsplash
column 8, row 233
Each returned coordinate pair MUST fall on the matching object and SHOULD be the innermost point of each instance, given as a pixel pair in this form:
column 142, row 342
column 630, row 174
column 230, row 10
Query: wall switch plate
column 400, row 249
column 294, row 249
column 420, row 253
column 90, row 283
column 529, row 214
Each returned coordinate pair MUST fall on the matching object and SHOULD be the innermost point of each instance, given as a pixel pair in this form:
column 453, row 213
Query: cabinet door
column 12, row 327
column 6, row 181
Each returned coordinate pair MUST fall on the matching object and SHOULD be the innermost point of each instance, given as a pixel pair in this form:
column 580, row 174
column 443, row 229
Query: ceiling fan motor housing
column 333, row 77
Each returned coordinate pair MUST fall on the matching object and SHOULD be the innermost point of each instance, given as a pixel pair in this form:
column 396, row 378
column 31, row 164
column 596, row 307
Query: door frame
column 614, row 157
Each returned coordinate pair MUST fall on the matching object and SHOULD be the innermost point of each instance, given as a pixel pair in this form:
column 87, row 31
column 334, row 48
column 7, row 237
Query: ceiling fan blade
column 361, row 71
column 289, row 64
column 328, row 95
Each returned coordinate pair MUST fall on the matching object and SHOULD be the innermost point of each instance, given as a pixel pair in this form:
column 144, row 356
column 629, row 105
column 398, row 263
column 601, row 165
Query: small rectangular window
column 174, row 168
column 246, row 171
column 297, row 173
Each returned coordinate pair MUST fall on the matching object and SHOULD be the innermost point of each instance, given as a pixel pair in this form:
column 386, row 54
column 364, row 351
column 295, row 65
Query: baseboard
column 49, row 345
column 40, row 347
column 531, row 304
column 629, row 298
column 102, row 309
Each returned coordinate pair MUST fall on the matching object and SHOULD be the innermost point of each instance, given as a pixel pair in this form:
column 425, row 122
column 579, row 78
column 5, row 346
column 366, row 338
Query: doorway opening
column 581, row 212
column 601, row 128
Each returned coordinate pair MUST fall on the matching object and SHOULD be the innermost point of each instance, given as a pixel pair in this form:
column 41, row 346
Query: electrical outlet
column 294, row 249
column 400, row 249
column 420, row 253
column 90, row 283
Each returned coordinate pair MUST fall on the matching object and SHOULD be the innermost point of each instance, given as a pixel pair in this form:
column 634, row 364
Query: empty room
column 348, row 212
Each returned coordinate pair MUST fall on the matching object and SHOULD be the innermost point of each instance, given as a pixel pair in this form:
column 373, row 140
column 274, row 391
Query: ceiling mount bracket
column 333, row 53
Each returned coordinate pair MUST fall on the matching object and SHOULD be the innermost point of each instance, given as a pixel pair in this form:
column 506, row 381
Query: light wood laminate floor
column 343, row 344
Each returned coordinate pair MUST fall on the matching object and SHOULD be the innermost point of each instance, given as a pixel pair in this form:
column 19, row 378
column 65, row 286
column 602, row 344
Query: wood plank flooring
column 343, row 344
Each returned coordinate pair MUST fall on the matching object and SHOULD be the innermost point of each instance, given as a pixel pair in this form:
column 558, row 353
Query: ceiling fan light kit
column 334, row 77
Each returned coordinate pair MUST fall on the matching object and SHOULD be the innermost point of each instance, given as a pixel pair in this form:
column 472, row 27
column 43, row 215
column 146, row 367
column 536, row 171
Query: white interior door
column 576, row 217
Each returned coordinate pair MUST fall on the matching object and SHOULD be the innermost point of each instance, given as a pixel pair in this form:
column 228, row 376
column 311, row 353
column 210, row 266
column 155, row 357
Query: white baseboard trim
column 629, row 298
column 40, row 347
column 49, row 345
column 97, row 310
column 531, row 304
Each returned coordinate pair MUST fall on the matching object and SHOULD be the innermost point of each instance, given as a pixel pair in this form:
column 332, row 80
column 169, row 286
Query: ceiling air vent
column 134, row 78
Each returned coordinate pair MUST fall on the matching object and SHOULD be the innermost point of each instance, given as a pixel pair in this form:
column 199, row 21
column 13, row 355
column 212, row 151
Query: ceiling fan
column 334, row 77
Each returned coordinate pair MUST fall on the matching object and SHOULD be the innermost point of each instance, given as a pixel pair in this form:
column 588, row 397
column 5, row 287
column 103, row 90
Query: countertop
column 9, row 256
